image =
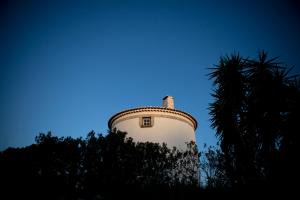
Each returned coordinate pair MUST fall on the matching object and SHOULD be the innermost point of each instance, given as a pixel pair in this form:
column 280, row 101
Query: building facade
column 157, row 124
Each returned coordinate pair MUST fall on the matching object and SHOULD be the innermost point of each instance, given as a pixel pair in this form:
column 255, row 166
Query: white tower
column 157, row 124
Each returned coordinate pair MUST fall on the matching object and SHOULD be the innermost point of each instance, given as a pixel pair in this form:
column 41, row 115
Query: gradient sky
column 68, row 66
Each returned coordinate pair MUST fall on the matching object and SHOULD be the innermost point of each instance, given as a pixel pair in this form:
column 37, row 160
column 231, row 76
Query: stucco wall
column 166, row 128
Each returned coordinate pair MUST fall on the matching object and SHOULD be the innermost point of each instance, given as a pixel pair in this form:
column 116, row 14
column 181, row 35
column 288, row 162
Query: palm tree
column 255, row 114
column 227, row 109
column 266, row 104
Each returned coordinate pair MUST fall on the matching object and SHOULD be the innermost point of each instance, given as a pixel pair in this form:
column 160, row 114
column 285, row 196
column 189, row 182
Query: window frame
column 146, row 125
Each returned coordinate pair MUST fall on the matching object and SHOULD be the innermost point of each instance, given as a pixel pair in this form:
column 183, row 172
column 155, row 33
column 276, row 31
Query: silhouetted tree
column 213, row 168
column 95, row 167
column 255, row 113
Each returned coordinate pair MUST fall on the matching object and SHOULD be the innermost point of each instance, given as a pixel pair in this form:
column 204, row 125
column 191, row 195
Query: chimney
column 168, row 102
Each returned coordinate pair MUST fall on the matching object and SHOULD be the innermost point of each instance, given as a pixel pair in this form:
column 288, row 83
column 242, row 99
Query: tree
column 213, row 168
column 254, row 112
column 227, row 112
column 96, row 167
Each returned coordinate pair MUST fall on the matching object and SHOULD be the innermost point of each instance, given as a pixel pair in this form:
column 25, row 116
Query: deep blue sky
column 67, row 67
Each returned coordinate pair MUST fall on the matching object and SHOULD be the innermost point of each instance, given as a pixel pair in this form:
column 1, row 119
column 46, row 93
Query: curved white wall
column 169, row 128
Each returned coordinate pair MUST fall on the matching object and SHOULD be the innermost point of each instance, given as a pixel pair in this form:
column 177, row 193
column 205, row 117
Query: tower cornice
column 153, row 109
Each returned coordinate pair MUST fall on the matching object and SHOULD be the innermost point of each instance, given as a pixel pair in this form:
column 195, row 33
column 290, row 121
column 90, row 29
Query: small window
column 146, row 122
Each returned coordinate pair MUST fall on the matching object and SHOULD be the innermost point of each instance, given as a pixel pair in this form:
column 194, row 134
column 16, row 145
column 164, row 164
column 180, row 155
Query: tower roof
column 186, row 115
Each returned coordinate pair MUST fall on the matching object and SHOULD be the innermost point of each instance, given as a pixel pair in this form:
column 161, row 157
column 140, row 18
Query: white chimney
column 168, row 102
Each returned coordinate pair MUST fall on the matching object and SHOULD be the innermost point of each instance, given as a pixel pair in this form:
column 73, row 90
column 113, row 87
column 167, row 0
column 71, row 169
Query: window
column 146, row 122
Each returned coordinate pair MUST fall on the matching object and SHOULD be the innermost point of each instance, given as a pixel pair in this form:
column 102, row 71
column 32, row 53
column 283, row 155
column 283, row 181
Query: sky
column 68, row 66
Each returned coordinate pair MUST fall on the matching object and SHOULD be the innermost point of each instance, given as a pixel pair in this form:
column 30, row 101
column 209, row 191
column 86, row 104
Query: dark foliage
column 212, row 168
column 256, row 116
column 98, row 167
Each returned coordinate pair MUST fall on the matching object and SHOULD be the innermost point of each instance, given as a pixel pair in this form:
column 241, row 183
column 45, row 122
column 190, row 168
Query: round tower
column 157, row 124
